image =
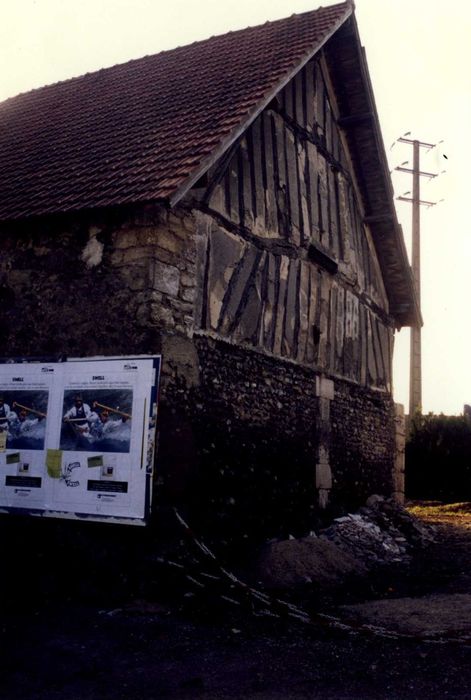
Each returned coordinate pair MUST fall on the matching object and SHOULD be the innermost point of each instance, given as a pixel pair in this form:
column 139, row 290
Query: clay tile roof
column 141, row 130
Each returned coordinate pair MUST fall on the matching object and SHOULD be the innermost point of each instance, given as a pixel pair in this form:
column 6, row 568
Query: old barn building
column 227, row 204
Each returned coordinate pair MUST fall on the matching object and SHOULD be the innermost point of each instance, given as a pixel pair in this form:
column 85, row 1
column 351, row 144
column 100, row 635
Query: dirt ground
column 188, row 646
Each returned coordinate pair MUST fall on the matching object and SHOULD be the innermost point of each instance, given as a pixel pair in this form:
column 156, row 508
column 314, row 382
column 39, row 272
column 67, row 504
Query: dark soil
column 178, row 643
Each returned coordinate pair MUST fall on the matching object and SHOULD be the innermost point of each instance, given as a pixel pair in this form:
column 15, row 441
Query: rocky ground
column 400, row 627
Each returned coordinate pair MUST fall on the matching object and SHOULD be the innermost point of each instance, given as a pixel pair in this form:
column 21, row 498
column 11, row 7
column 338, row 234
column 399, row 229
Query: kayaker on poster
column 96, row 419
column 78, row 416
column 22, row 422
column 5, row 415
column 102, row 424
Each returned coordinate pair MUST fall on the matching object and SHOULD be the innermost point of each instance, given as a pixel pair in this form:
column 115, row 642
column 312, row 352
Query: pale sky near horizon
column 419, row 57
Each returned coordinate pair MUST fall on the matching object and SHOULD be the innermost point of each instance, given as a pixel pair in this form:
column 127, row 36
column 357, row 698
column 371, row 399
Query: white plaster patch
column 92, row 254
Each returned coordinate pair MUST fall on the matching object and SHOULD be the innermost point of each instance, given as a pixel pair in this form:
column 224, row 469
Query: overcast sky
column 419, row 56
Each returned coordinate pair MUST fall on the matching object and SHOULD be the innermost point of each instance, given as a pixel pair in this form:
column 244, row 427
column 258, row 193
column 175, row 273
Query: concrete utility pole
column 415, row 377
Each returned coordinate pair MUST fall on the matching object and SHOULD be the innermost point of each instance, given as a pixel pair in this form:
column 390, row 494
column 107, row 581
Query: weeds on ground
column 436, row 510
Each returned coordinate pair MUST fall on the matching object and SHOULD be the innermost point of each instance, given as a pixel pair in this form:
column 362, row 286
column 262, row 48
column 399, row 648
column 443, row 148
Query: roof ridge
column 146, row 128
column 130, row 61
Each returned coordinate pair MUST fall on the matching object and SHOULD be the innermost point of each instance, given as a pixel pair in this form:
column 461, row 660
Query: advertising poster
column 77, row 438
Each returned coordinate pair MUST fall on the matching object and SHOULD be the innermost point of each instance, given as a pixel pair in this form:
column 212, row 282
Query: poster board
column 77, row 438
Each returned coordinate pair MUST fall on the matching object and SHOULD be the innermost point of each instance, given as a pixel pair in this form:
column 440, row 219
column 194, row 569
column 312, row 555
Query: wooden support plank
column 270, row 297
column 217, row 199
column 234, row 188
column 281, row 303
column 303, row 188
column 384, row 333
column 348, row 344
column 250, row 315
column 271, row 212
column 340, row 331
column 320, row 96
column 289, row 100
column 224, row 253
column 322, row 199
column 246, row 186
column 258, row 179
column 313, row 193
column 343, row 218
column 357, row 241
column 328, row 124
column 304, row 298
column 227, row 192
column 280, row 101
column 335, row 141
column 298, row 83
column 314, row 322
column 332, row 214
column 324, row 318
column 202, row 240
column 380, row 364
column 292, row 181
column 332, row 328
column 235, row 296
column 291, row 324
column 310, row 96
column 282, row 197
column 391, row 356
column 339, row 221
column 372, row 368
column 366, row 255
column 364, row 345
column 356, row 370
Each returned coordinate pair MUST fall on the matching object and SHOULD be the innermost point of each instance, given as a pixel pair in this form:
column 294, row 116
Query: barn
column 226, row 204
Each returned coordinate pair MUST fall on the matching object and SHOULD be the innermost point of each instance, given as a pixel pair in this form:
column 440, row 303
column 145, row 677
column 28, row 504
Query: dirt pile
column 382, row 532
column 293, row 563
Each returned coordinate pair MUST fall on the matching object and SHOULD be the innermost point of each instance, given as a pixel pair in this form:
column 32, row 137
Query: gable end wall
column 275, row 397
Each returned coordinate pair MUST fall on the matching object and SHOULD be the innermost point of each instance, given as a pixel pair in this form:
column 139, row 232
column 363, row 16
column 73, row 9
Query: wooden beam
column 354, row 120
column 384, row 218
column 321, row 256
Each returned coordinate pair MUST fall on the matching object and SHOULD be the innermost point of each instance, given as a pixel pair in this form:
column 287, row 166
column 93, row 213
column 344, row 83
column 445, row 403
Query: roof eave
column 380, row 215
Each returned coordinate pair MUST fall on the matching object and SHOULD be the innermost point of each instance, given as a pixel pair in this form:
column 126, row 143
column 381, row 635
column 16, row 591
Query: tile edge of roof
column 345, row 3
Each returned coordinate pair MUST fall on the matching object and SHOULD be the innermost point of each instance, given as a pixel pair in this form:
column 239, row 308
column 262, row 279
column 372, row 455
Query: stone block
column 130, row 255
column 125, row 239
column 325, row 388
column 323, row 475
column 323, row 498
column 324, row 410
column 161, row 316
column 168, row 241
column 166, row 278
column 188, row 294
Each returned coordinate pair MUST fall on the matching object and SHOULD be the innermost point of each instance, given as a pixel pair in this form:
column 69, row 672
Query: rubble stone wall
column 81, row 286
column 258, row 431
column 252, row 423
column 362, row 443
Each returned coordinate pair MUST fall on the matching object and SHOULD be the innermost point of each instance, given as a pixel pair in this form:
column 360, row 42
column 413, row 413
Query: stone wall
column 362, row 444
column 250, row 444
column 107, row 284
column 271, row 442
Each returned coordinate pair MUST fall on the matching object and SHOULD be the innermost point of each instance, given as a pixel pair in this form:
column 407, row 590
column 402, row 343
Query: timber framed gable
column 287, row 264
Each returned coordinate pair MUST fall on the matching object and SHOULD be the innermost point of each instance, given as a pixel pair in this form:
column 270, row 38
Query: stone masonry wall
column 261, row 448
column 248, row 441
column 362, row 444
column 111, row 284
